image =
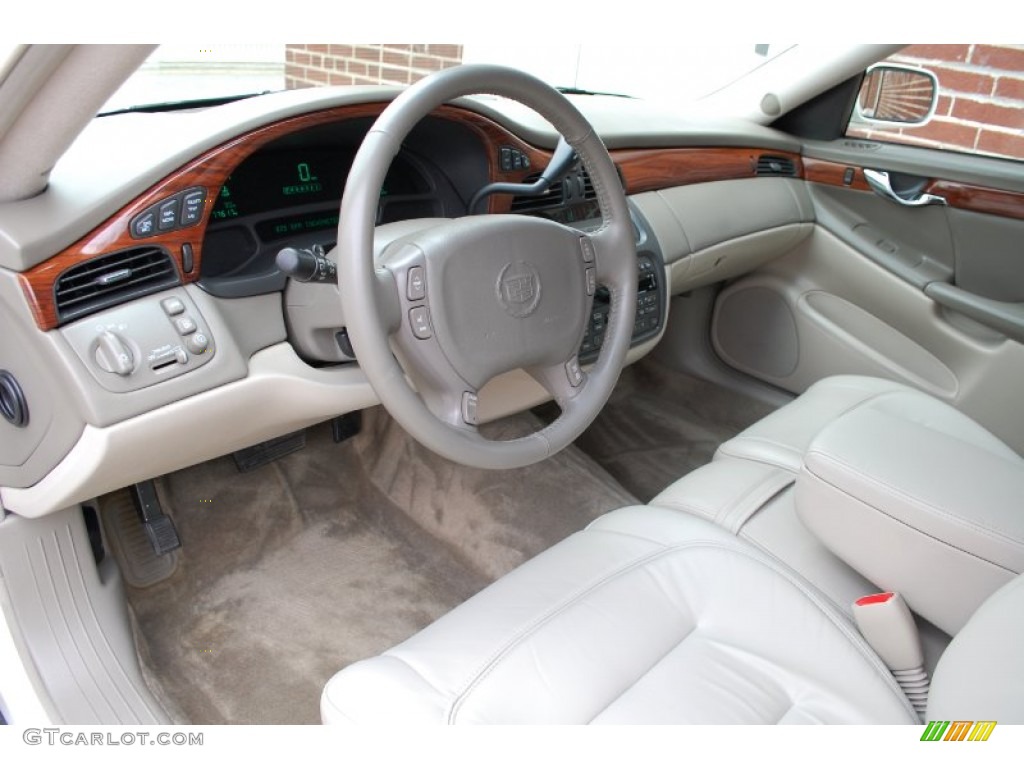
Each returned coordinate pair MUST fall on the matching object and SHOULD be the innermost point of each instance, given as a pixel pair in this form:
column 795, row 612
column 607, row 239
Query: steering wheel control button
column 192, row 207
column 519, row 288
column 144, row 224
column 168, row 214
column 591, row 281
column 173, row 306
column 197, row 343
column 573, row 372
column 185, row 325
column 469, row 404
column 417, row 284
column 419, row 319
column 587, row 248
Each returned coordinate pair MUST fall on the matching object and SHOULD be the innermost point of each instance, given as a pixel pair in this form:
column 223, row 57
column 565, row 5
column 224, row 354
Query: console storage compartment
column 919, row 499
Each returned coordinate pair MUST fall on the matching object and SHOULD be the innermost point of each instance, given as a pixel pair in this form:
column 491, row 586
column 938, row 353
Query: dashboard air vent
column 772, row 165
column 528, row 204
column 112, row 279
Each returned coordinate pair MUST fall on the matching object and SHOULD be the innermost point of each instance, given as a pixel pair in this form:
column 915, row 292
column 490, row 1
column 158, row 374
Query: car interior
column 478, row 402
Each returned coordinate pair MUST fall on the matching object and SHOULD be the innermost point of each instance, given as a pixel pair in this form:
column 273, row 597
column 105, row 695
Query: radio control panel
column 649, row 311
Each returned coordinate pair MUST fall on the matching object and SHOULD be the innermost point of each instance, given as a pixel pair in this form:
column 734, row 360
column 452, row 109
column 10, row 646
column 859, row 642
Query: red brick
column 1007, row 144
column 940, row 52
column 318, row 48
column 396, row 58
column 367, row 53
column 1010, row 88
column 943, row 105
column 964, row 82
column 428, row 63
column 394, row 75
column 340, row 50
column 990, row 114
column 302, row 59
column 448, row 51
column 999, row 57
column 355, row 67
column 946, row 132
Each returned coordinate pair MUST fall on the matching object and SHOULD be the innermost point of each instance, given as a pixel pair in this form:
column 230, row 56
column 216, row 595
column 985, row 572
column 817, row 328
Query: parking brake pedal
column 159, row 527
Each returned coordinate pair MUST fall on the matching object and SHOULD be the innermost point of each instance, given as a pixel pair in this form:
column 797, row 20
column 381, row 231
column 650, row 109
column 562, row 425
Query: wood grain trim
column 967, row 197
column 645, row 170
column 210, row 170
column 833, row 174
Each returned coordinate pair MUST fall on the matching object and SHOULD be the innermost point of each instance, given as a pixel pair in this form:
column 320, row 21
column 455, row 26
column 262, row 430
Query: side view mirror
column 894, row 94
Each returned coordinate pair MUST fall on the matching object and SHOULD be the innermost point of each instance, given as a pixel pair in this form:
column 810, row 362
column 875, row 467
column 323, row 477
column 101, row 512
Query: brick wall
column 981, row 100
column 370, row 64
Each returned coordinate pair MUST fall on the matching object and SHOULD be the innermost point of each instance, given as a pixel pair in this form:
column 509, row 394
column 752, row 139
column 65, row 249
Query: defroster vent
column 112, row 279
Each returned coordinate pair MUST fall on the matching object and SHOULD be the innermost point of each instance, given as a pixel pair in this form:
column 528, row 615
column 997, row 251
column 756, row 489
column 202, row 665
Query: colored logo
column 958, row 730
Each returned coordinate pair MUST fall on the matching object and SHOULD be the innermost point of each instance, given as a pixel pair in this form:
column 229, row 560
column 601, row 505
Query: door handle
column 879, row 181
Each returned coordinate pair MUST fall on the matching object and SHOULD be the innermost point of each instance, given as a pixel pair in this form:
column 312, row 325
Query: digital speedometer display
column 270, row 181
column 273, row 180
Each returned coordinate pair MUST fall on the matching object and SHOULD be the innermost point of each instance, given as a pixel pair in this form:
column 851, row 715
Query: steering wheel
column 460, row 301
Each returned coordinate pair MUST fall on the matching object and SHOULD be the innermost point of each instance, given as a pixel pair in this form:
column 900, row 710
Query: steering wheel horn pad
column 483, row 295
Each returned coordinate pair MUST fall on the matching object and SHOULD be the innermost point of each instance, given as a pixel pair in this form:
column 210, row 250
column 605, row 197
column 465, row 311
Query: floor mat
column 659, row 425
column 335, row 553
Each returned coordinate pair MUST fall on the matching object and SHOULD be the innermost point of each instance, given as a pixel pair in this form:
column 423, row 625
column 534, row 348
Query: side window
column 980, row 107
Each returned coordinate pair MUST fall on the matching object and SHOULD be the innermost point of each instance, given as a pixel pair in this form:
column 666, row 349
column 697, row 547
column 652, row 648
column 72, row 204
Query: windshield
column 178, row 74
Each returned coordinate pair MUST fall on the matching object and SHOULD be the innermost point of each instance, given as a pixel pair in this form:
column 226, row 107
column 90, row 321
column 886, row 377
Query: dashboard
column 288, row 193
column 169, row 314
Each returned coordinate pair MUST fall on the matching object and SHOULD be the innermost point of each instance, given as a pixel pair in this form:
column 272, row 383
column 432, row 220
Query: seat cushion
column 782, row 438
column 648, row 616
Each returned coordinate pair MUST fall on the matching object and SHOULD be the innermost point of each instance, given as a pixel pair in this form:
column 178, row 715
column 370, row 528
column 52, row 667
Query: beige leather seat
column 647, row 616
column 654, row 615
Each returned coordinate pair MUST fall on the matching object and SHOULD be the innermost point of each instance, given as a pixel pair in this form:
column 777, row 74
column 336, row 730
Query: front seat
column 656, row 615
column 647, row 616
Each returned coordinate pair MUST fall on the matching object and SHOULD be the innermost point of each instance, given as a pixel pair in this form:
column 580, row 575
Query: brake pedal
column 159, row 528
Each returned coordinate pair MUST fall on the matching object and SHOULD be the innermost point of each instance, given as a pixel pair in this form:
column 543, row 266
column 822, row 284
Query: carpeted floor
column 294, row 570
column 659, row 425
column 332, row 554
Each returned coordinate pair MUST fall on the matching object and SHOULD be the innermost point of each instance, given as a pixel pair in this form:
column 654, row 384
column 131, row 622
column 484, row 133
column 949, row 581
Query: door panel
column 843, row 312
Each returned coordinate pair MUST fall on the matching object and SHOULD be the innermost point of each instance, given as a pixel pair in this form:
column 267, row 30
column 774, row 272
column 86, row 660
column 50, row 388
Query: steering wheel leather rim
column 365, row 289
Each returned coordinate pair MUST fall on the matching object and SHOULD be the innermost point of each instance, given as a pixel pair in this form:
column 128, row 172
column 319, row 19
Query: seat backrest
column 981, row 674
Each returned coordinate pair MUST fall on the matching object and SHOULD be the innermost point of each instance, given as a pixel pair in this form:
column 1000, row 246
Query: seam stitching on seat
column 837, row 620
column 904, row 523
column 930, row 507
